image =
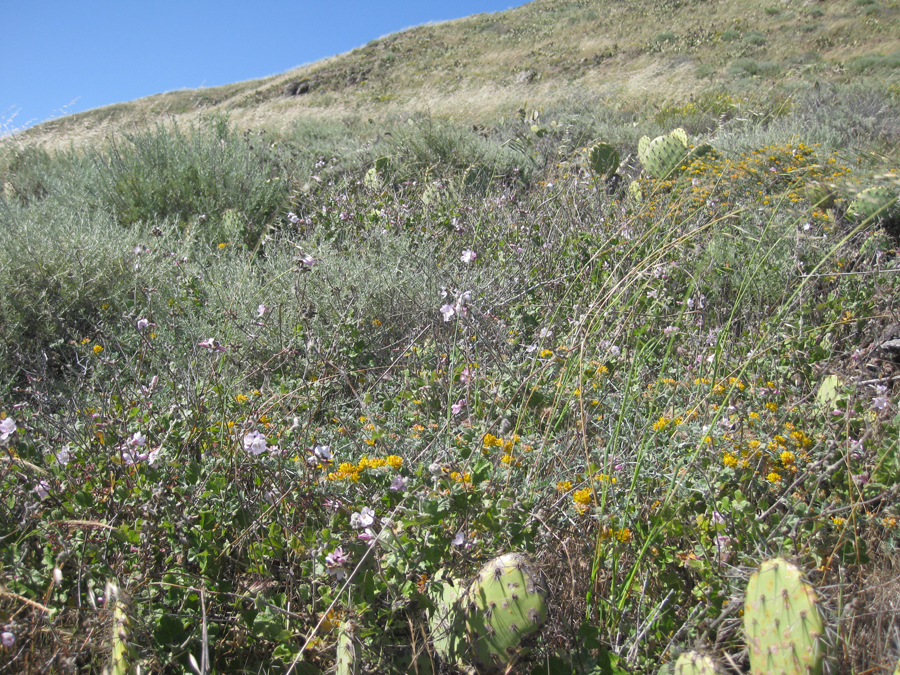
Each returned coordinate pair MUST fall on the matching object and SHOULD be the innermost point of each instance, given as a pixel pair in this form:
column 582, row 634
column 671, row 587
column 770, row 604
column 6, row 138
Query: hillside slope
column 472, row 68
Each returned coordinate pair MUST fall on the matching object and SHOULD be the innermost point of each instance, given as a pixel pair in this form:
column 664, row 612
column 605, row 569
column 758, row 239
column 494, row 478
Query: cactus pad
column 664, row 155
column 681, row 135
column 447, row 619
column 505, row 603
column 819, row 195
column 603, row 159
column 347, row 662
column 876, row 202
column 782, row 622
column 121, row 660
column 694, row 663
column 699, row 151
column 643, row 144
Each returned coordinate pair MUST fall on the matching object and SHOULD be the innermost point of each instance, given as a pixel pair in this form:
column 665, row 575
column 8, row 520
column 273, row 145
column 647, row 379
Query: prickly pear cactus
column 122, row 652
column 505, row 603
column 643, row 144
column 634, row 189
column 694, row 663
column 782, row 622
column 446, row 619
column 699, row 151
column 681, row 135
column 603, row 159
column 876, row 202
column 819, row 195
column 373, row 175
column 664, row 155
column 477, row 177
column 347, row 662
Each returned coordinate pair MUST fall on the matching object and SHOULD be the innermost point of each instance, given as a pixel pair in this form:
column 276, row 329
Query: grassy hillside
column 279, row 375
column 473, row 69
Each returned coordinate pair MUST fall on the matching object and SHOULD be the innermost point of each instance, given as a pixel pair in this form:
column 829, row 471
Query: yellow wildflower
column 582, row 497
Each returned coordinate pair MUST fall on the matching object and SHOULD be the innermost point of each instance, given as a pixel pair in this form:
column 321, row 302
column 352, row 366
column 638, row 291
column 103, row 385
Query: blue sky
column 62, row 57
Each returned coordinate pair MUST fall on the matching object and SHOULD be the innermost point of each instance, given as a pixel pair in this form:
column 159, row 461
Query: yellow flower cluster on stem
column 351, row 472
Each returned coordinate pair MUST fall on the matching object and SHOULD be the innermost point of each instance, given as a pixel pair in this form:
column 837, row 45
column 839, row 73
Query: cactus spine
column 694, row 663
column 782, row 622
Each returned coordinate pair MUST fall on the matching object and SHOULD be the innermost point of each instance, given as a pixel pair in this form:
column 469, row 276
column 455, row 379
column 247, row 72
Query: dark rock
column 525, row 77
column 296, row 88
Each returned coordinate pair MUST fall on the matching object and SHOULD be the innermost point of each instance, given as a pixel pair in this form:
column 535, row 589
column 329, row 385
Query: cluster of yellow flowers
column 623, row 534
column 582, row 498
column 490, row 441
column 664, row 422
column 351, row 472
column 462, row 478
column 605, row 478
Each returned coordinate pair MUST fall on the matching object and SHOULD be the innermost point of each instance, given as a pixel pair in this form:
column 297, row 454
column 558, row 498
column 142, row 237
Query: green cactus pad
column 505, row 603
column 373, row 175
column 603, row 159
column 694, row 663
column 699, row 151
column 782, row 622
column 643, row 144
column 819, row 195
column 680, row 135
column 634, row 189
column 664, row 155
column 876, row 202
column 446, row 619
column 347, row 662
column 122, row 658
column 477, row 177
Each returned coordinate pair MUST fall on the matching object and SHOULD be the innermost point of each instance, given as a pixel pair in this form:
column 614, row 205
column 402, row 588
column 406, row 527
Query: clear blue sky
column 63, row 56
